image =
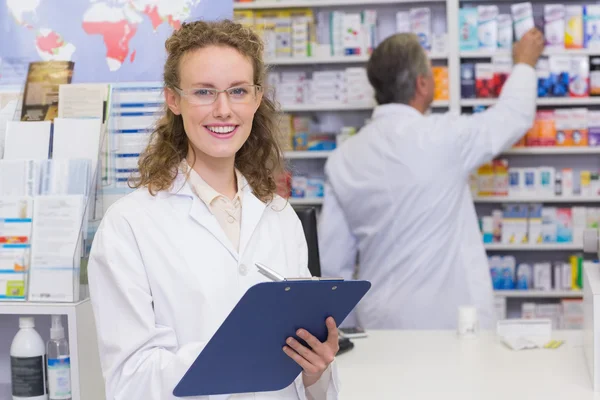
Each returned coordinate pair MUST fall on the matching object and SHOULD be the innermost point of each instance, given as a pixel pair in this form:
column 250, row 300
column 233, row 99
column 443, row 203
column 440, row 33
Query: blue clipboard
column 245, row 354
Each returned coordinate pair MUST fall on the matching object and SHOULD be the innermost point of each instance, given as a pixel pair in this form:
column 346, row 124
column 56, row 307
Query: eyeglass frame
column 184, row 93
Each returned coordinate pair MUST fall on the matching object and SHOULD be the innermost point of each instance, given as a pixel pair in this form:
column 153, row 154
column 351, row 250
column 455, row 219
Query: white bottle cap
column 26, row 322
column 57, row 331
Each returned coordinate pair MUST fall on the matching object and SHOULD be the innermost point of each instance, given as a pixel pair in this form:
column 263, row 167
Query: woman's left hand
column 315, row 359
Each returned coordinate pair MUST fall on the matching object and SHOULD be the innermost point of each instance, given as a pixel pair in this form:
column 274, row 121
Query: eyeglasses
column 242, row 94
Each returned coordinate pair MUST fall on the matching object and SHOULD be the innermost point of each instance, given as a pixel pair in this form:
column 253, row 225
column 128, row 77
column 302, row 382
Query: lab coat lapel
column 200, row 213
column 252, row 210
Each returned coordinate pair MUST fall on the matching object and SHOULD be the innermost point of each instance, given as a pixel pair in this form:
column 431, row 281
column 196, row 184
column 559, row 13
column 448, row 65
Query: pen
column 274, row 276
column 269, row 273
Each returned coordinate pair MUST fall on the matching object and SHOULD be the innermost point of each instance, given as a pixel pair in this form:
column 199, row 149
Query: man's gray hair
column 394, row 67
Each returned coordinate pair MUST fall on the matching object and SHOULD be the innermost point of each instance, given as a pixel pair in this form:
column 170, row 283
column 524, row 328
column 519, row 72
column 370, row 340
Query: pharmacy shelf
column 306, row 201
column 537, row 199
column 344, row 106
column 36, row 308
column 533, row 247
column 335, row 59
column 306, row 154
column 541, row 294
column 270, row 4
column 547, row 52
column 542, row 101
column 552, row 150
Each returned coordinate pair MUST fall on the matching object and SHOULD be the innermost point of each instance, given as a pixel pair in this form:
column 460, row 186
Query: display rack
column 539, row 294
column 561, row 157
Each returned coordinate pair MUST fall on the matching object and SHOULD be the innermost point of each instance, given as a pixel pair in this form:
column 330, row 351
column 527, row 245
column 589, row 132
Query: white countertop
column 430, row 365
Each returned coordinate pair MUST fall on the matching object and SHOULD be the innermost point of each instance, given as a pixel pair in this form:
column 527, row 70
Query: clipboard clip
column 276, row 277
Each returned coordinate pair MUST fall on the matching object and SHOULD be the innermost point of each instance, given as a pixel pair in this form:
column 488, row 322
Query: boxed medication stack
column 358, row 88
column 579, row 75
column 574, row 27
column 502, row 68
column 440, row 78
column 593, row 127
column 591, row 37
column 301, row 127
column 505, row 31
column 522, row 15
column 369, row 28
column 420, row 25
column 292, row 88
column 594, row 75
column 535, row 234
column 327, row 87
column 468, row 38
column 554, row 25
column 352, row 34
column 402, row 22
column 484, row 80
column 467, row 81
column 487, row 27
column 283, row 35
column 514, row 224
column 302, row 32
column 560, row 66
column 266, row 27
column 579, row 126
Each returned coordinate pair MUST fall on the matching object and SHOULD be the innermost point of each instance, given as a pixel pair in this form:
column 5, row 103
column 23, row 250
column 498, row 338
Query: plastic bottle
column 59, row 362
column 27, row 363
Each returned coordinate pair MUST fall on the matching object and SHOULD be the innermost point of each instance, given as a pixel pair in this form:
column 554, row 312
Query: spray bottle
column 59, row 362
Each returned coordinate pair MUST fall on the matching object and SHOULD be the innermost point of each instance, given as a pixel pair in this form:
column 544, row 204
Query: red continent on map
column 49, row 43
column 132, row 56
column 152, row 13
column 175, row 23
column 116, row 36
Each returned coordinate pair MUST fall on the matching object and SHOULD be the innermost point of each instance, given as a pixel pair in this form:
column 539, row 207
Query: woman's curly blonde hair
column 259, row 159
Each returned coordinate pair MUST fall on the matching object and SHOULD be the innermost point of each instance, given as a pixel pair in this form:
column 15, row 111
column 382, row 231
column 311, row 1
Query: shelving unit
column 334, row 59
column 537, row 199
column 533, row 247
column 86, row 376
column 342, row 107
column 554, row 151
column 540, row 294
column 547, row 52
column 261, row 5
column 542, row 101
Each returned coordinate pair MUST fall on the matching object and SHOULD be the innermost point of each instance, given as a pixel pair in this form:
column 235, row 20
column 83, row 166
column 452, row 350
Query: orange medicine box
column 546, row 134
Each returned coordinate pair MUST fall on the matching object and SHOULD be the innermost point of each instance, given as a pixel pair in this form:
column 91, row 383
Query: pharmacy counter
column 437, row 365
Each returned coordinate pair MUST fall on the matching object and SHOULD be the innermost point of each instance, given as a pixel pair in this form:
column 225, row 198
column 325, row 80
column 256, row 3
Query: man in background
column 397, row 193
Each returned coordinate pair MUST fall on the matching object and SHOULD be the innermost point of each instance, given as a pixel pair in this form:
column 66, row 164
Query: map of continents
column 109, row 41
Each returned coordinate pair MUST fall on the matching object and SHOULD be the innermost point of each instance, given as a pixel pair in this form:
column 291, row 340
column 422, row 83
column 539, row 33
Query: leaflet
column 27, row 140
column 82, row 100
column 55, row 248
column 19, row 178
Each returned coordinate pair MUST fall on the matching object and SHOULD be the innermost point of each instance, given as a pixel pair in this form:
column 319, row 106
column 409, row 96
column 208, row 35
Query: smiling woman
column 205, row 94
column 171, row 260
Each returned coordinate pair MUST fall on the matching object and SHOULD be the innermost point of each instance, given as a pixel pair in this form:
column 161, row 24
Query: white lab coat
column 397, row 194
column 163, row 277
